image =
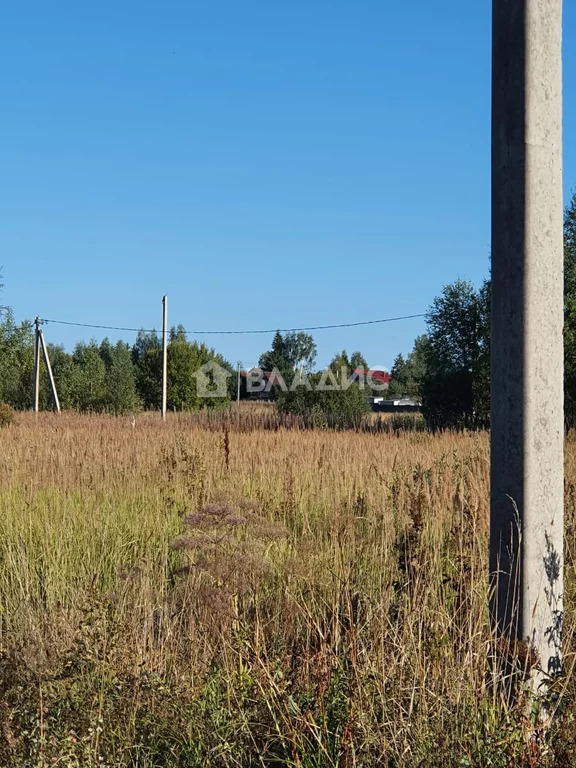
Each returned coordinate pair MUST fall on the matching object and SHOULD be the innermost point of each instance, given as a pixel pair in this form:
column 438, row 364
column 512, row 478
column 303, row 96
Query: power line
column 244, row 332
column 102, row 327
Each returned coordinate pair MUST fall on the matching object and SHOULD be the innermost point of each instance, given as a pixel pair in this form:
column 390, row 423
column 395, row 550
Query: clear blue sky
column 265, row 164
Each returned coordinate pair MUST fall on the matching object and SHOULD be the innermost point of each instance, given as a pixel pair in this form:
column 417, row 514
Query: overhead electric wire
column 243, row 332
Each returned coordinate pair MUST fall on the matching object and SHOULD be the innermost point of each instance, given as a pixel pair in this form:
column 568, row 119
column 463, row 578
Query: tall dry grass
column 212, row 593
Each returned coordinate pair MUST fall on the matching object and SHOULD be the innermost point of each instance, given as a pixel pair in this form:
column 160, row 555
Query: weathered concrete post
column 526, row 536
column 36, row 394
column 164, row 354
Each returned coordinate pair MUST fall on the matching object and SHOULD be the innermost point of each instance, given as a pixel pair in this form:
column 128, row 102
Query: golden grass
column 197, row 593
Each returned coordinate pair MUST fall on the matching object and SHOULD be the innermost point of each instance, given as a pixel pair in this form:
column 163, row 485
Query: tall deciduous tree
column 340, row 365
column 147, row 357
column 184, row 361
column 88, row 378
column 16, row 361
column 62, row 369
column 121, row 396
column 288, row 354
column 300, row 349
column 452, row 390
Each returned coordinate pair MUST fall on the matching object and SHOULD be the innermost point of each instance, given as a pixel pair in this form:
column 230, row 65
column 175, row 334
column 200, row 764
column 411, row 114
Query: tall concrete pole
column 36, row 395
column 49, row 369
column 526, row 535
column 164, row 354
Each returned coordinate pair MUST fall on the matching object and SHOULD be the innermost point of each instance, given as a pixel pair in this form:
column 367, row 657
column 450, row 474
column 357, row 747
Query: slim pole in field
column 49, row 369
column 36, row 392
column 527, row 429
column 238, row 385
column 164, row 354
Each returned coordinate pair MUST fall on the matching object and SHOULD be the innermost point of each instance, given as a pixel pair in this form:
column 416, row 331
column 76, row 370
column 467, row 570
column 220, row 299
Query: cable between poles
column 242, row 332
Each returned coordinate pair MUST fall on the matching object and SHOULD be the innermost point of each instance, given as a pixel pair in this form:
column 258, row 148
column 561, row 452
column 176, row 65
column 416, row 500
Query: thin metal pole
column 164, row 354
column 238, row 386
column 527, row 429
column 36, row 388
column 49, row 369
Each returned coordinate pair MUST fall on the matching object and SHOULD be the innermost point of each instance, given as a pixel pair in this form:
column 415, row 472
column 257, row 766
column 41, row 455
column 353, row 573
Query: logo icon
column 211, row 380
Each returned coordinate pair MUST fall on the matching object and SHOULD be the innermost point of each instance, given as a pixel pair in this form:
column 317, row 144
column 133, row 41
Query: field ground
column 213, row 593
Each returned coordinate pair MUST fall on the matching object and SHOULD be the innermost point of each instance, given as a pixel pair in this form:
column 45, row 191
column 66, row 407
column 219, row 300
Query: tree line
column 122, row 378
column 95, row 377
column 448, row 368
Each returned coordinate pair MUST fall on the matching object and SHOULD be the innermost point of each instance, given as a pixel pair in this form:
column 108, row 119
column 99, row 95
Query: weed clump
column 7, row 415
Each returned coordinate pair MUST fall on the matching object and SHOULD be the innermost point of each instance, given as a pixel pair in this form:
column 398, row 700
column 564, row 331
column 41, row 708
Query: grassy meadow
column 226, row 592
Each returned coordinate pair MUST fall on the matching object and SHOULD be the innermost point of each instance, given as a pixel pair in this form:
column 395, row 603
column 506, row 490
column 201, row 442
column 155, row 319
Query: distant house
column 367, row 374
column 398, row 405
column 269, row 377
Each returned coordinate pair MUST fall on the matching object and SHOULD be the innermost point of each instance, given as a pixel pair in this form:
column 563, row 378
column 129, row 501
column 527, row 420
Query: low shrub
column 337, row 409
column 6, row 415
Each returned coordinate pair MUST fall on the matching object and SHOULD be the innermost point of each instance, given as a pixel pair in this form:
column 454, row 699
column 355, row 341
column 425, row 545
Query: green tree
column 341, row 361
column 357, row 360
column 276, row 357
column 87, row 378
column 341, row 367
column 147, row 357
column 106, row 352
column 16, row 361
column 177, row 333
column 300, row 350
column 452, row 390
column 338, row 408
column 184, row 361
column 120, row 396
column 344, row 367
column 289, row 353
column 62, row 369
column 399, row 376
column 408, row 373
column 481, row 380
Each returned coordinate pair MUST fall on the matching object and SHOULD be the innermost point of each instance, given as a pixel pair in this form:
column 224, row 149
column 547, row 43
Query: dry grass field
column 219, row 594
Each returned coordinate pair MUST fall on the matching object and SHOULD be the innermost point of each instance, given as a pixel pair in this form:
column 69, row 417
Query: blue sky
column 265, row 164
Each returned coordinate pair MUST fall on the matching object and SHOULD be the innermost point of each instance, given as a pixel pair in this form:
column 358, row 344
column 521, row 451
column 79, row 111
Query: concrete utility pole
column 49, row 369
column 36, row 365
column 164, row 354
column 527, row 429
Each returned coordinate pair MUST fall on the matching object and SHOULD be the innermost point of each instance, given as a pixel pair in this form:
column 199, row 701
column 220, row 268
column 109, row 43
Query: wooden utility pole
column 238, row 385
column 164, row 354
column 49, row 369
column 527, row 429
column 36, row 393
